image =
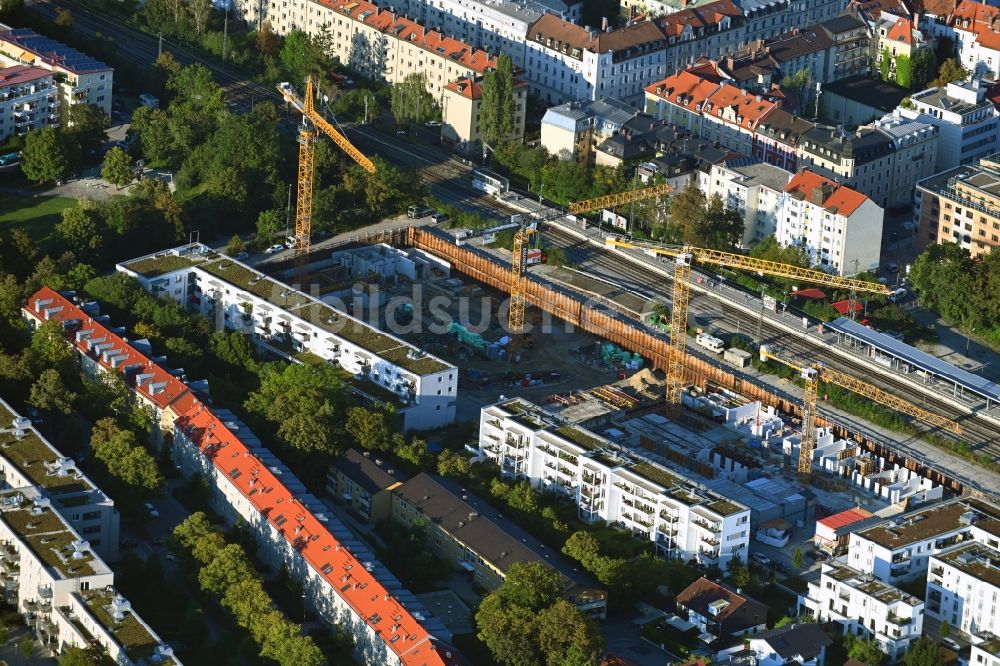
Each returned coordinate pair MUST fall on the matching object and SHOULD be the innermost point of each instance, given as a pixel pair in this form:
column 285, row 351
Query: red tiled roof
column 411, row 31
column 844, row 518
column 749, row 109
column 329, row 559
column 901, row 31
column 466, row 87
column 152, row 382
column 842, row 199
column 984, row 21
column 684, row 89
column 710, row 14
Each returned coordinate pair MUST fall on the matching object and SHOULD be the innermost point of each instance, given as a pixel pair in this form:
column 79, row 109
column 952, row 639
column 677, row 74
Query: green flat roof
column 655, row 474
column 724, row 507
column 151, row 267
column 49, row 538
column 137, row 641
column 31, row 454
column 579, row 437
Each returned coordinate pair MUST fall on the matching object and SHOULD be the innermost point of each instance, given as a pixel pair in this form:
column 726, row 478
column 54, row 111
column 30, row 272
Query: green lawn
column 37, row 215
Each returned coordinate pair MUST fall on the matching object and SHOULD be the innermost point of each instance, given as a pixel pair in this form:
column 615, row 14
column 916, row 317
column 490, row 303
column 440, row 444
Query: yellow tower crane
column 685, row 256
column 519, row 251
column 816, row 372
column 311, row 121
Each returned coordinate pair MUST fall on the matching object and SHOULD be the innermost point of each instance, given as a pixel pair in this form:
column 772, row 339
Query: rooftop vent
column 968, row 518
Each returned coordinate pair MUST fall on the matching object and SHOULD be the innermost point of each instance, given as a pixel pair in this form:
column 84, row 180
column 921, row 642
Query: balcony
column 899, row 621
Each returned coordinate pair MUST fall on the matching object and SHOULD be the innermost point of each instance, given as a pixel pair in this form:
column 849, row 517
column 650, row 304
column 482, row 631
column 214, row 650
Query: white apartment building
column 239, row 298
column 986, row 653
column 63, row 589
column 962, row 589
column 840, row 228
column 79, row 78
column 915, row 157
column 866, row 607
column 754, row 188
column 899, row 550
column 28, row 100
column 684, row 519
column 565, row 62
column 974, row 27
column 341, row 580
column 572, row 131
column 28, row 460
column 968, row 123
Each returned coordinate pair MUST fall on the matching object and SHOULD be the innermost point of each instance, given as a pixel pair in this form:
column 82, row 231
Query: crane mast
column 312, row 121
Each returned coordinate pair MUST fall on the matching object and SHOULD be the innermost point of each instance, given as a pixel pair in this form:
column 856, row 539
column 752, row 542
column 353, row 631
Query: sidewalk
column 952, row 345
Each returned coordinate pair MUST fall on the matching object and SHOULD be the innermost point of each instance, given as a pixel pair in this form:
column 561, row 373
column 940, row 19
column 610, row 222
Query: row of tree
column 226, row 571
column 49, row 154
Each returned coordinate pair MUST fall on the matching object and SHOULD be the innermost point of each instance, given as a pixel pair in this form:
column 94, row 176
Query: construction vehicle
column 522, row 237
column 814, row 373
column 311, row 121
column 684, row 256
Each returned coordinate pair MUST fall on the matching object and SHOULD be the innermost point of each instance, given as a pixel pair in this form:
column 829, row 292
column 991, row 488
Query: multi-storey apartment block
column 898, row 550
column 239, row 298
column 28, row 460
column 752, row 187
column 962, row 589
column 473, row 536
column 862, row 160
column 341, row 579
column 572, row 131
column 163, row 396
column 898, row 36
column 865, row 606
column 974, row 28
column 461, row 111
column 961, row 205
column 79, row 78
column 566, row 62
column 364, row 483
column 683, row 519
column 28, row 100
column 840, row 228
column 63, row 589
column 967, row 121
column 915, row 157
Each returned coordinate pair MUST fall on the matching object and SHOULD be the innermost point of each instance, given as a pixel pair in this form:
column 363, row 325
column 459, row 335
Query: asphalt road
column 143, row 49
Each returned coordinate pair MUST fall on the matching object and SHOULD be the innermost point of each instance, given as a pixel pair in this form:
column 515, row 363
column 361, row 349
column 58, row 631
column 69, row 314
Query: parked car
column 241, row 256
column 951, row 644
column 277, row 247
column 761, row 559
column 898, row 295
column 433, row 123
column 153, row 513
column 440, row 217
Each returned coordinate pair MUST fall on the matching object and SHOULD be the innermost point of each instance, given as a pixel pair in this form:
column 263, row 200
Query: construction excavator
column 312, row 121
column 813, row 373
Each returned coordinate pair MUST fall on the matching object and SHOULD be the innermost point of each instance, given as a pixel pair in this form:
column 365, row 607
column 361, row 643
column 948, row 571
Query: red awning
column 844, row 307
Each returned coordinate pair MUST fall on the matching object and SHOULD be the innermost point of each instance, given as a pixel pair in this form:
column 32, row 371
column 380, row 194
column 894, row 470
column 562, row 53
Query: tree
column 50, row 346
column 797, row 558
column 90, row 656
column 8, row 8
column 924, row 652
column 356, row 106
column 452, row 463
column 583, row 547
column 797, row 85
column 865, row 650
column 49, row 394
column 497, row 123
column 269, row 224
column 46, row 156
column 301, row 56
column 64, row 21
column 507, row 629
column 152, row 126
column 950, row 70
column 117, row 168
column 235, row 246
column 565, row 181
column 567, row 638
column 904, row 71
column 884, row 64
column 286, row 645
column 27, row 645
column 532, row 585
column 410, row 102
column 923, row 68
column 124, row 460
column 722, row 228
column 88, row 125
column 265, row 41
column 944, row 629
column 201, row 12
column 522, row 498
column 80, row 229
column 370, row 428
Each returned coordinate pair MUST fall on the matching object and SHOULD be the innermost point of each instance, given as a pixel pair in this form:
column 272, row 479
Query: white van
column 711, row 343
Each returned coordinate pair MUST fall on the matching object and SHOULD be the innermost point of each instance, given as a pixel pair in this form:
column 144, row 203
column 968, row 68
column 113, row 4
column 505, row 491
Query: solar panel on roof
column 917, row 358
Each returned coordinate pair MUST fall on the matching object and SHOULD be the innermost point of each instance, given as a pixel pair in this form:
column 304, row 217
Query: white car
column 761, row 559
column 277, row 247
column 898, row 295
column 152, row 510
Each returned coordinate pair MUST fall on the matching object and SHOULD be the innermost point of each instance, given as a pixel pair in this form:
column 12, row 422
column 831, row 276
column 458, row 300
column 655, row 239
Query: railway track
column 982, row 437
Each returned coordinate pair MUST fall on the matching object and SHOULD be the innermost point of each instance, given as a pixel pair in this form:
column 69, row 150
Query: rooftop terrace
column 31, row 454
column 977, row 560
column 930, row 523
column 51, row 540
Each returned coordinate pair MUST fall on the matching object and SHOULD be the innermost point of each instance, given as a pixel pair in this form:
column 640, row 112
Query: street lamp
column 972, row 329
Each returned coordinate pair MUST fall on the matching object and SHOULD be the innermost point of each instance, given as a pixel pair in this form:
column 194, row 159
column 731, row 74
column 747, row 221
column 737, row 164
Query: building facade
column 899, row 550
column 866, row 607
column 862, row 159
column 916, row 145
column 961, row 205
column 754, row 188
column 618, row 486
column 79, row 78
column 968, row 122
column 29, row 100
column 364, row 483
column 239, row 298
column 962, row 588
column 461, row 114
column 721, row 611
column 572, row 131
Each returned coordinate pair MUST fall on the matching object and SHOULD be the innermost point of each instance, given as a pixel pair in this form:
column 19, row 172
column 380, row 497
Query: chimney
column 604, row 24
